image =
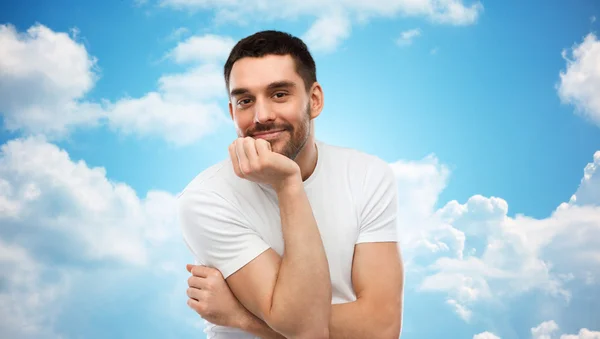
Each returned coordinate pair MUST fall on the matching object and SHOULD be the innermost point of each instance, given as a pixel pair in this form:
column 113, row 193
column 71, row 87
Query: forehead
column 255, row 74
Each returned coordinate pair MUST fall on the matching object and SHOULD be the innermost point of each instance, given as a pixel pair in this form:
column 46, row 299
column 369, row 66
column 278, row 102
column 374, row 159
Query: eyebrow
column 271, row 86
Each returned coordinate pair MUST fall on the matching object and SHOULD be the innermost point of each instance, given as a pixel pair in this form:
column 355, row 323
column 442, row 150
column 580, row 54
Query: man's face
column 268, row 100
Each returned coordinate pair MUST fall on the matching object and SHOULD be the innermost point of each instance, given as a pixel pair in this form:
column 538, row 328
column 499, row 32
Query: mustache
column 260, row 128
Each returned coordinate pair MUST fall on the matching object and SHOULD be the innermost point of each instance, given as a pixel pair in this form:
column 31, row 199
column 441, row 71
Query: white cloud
column 207, row 48
column 593, row 19
column 544, row 330
column 460, row 309
column 580, row 82
column 475, row 253
column 327, row 33
column 46, row 75
column 26, row 301
column 406, row 37
column 64, row 218
column 486, row 335
column 54, row 197
column 183, row 110
column 588, row 192
column 333, row 14
column 547, row 329
column 178, row 33
column 584, row 333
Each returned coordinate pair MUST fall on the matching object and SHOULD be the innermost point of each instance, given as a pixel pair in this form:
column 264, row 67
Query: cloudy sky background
column 489, row 113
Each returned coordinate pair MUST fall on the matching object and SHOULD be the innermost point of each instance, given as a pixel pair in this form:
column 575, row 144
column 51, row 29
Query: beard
column 298, row 135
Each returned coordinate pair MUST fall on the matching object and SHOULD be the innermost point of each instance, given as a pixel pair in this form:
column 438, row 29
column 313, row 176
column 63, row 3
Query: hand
column 254, row 160
column 210, row 296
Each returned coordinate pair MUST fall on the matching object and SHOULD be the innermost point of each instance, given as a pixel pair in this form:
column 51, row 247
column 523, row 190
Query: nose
column 262, row 112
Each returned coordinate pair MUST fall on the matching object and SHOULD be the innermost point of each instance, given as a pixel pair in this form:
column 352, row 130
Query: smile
column 268, row 135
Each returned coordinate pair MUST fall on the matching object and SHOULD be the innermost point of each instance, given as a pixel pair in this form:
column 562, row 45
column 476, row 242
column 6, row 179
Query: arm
column 292, row 294
column 377, row 312
column 377, row 271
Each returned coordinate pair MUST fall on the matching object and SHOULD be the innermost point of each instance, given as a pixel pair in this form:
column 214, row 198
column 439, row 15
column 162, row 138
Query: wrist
column 291, row 184
column 243, row 322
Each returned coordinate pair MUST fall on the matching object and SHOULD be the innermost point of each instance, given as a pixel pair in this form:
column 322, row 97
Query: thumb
column 189, row 267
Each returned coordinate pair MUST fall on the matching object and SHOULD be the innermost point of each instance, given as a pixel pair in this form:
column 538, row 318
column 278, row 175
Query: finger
column 200, row 271
column 189, row 267
column 241, row 155
column 263, row 147
column 195, row 293
column 197, row 282
column 195, row 305
column 251, row 153
column 234, row 160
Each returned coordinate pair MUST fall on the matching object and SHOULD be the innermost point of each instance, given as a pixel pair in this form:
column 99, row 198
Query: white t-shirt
column 228, row 221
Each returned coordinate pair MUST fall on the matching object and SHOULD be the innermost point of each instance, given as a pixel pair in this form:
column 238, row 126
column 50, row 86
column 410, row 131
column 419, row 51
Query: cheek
column 242, row 120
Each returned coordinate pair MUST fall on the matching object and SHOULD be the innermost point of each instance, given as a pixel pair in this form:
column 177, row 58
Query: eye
column 280, row 95
column 243, row 102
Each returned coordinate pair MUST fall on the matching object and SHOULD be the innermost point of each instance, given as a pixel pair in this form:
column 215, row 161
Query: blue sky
column 489, row 113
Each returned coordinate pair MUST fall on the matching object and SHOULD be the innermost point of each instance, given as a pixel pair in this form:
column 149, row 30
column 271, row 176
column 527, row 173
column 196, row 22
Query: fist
column 210, row 296
column 254, row 160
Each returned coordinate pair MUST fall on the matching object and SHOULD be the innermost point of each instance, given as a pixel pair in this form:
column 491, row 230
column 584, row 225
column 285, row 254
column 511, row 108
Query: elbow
column 390, row 325
column 394, row 330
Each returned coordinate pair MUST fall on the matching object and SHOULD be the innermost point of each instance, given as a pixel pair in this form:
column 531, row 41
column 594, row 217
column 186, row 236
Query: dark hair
column 275, row 43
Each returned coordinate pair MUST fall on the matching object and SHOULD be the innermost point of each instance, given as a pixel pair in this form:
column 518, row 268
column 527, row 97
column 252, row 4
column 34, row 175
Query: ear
column 230, row 110
column 317, row 100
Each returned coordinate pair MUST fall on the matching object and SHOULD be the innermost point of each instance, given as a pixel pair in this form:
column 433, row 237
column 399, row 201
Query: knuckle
column 256, row 166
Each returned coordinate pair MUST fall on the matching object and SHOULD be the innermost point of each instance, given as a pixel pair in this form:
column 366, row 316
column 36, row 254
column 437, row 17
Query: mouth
column 268, row 134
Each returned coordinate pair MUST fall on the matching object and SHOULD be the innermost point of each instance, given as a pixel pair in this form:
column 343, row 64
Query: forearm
column 351, row 320
column 301, row 302
column 253, row 324
column 358, row 320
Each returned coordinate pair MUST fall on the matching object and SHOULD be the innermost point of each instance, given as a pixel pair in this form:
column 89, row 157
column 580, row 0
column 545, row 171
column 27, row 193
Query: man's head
column 271, row 81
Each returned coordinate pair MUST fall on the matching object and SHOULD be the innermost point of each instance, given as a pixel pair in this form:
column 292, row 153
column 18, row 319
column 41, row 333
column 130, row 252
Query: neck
column 307, row 158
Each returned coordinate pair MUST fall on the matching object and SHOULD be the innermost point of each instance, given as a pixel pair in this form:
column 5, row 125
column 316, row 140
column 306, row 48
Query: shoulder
column 358, row 163
column 217, row 184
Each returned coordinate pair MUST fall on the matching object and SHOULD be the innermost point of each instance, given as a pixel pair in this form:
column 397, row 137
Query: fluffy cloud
column 26, row 302
column 589, row 189
column 207, row 48
column 333, row 18
column 406, row 37
column 182, row 110
column 486, row 335
column 544, row 330
column 327, row 32
column 547, row 329
column 46, row 75
column 475, row 253
column 580, row 82
column 60, row 221
column 46, row 195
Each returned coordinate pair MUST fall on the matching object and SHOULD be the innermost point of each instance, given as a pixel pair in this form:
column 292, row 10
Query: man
column 296, row 238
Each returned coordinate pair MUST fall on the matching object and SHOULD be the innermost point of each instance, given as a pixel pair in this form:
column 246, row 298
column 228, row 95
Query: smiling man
column 293, row 237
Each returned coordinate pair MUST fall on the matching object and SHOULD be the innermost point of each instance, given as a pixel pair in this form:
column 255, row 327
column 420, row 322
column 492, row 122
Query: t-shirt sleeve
column 379, row 207
column 216, row 232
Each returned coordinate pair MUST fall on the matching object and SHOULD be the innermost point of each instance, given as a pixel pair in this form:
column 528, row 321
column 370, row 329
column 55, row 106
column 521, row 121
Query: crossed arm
column 291, row 295
column 377, row 276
